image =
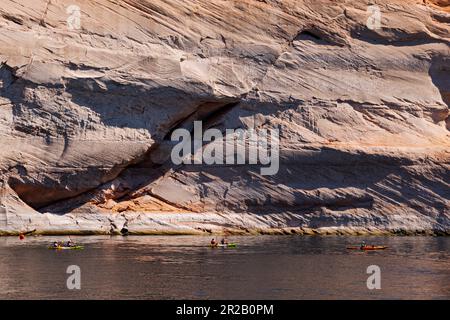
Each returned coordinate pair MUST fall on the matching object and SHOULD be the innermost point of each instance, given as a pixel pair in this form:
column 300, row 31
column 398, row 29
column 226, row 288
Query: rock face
column 90, row 93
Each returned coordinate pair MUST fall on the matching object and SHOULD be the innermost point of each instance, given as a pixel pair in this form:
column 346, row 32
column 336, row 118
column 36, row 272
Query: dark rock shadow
column 440, row 76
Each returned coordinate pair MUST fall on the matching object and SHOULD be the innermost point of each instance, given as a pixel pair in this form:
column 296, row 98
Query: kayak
column 366, row 248
column 67, row 248
column 229, row 245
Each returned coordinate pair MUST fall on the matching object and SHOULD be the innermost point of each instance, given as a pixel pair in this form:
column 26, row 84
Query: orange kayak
column 367, row 248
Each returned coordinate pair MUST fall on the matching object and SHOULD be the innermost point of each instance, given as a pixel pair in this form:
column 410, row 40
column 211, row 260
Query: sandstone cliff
column 90, row 92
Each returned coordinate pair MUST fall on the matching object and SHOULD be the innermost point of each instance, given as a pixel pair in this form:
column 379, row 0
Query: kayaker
column 69, row 244
column 363, row 245
column 224, row 241
column 214, row 242
column 55, row 244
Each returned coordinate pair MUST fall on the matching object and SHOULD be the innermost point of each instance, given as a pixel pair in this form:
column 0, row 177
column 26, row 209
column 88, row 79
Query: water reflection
column 262, row 267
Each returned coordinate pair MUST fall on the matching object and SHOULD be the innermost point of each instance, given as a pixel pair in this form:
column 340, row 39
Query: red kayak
column 365, row 248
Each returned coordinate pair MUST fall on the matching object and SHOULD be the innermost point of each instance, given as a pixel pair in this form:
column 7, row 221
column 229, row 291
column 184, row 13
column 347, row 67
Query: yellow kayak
column 66, row 248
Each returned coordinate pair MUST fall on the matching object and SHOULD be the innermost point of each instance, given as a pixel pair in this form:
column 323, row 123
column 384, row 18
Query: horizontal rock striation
column 90, row 93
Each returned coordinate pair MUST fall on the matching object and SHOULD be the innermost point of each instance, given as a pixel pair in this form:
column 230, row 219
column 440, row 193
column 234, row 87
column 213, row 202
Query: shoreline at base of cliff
column 358, row 223
column 332, row 231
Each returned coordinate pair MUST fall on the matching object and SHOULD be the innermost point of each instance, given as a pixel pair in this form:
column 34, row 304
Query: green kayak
column 229, row 245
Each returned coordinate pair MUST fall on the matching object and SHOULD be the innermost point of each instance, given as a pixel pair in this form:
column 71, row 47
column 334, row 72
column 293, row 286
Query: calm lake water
column 262, row 267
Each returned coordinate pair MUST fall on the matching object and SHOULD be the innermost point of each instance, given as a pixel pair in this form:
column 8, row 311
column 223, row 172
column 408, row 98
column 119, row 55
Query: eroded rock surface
column 87, row 108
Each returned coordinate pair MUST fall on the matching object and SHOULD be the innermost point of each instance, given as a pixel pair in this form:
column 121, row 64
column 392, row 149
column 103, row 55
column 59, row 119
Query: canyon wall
column 91, row 92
